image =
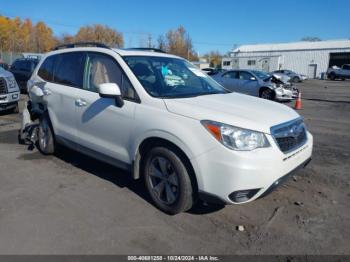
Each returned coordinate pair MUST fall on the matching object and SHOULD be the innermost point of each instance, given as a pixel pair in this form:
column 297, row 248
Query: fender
column 155, row 134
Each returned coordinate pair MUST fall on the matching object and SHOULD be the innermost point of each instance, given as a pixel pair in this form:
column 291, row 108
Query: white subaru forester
column 163, row 119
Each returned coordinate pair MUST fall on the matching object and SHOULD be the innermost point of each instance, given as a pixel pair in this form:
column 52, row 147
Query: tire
column 16, row 109
column 46, row 141
column 167, row 180
column 332, row 76
column 296, row 79
column 267, row 94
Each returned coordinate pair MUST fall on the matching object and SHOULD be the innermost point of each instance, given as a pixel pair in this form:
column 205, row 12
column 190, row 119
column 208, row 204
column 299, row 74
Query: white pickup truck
column 342, row 73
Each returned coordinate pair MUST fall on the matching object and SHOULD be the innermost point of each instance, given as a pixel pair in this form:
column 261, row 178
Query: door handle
column 80, row 102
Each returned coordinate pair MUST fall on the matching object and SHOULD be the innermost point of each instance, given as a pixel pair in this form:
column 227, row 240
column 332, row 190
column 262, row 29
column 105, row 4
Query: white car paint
column 97, row 124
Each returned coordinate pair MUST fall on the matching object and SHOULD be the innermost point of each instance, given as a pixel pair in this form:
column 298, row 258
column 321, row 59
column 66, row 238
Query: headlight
column 236, row 138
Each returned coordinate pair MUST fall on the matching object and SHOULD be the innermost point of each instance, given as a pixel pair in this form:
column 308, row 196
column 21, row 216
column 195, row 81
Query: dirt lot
column 72, row 204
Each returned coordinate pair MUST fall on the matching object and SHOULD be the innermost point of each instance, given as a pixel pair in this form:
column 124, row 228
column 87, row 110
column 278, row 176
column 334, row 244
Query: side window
column 69, row 68
column 27, row 66
column 346, row 67
column 46, row 69
column 231, row 74
column 251, row 62
column 16, row 65
column 102, row 69
column 243, row 75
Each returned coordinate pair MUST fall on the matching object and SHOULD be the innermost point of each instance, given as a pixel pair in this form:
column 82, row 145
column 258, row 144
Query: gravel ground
column 72, row 204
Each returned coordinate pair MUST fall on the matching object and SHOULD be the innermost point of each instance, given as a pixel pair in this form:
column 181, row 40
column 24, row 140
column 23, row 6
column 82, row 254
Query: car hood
column 233, row 109
column 278, row 78
column 4, row 73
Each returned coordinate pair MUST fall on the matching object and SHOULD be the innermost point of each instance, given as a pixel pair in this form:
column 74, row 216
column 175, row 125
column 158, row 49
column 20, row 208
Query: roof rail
column 157, row 50
column 81, row 44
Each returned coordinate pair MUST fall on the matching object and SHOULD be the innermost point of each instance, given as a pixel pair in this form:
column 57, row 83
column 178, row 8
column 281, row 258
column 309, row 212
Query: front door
column 101, row 125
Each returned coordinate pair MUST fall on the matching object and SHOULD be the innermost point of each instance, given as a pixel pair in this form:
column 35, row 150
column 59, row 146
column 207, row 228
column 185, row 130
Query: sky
column 212, row 25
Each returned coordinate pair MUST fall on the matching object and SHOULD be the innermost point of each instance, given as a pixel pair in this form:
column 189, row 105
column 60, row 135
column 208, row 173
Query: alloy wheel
column 163, row 180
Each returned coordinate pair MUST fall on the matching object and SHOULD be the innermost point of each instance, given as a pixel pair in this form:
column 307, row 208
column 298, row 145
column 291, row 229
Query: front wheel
column 167, row 181
column 46, row 142
column 332, row 76
column 267, row 94
column 296, row 79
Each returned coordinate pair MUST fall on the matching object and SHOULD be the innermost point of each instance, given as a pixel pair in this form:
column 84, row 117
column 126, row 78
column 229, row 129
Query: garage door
column 339, row 59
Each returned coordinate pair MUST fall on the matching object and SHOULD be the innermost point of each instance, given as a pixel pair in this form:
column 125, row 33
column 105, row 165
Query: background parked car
column 22, row 69
column 4, row 66
column 9, row 91
column 335, row 72
column 295, row 77
column 257, row 83
column 213, row 71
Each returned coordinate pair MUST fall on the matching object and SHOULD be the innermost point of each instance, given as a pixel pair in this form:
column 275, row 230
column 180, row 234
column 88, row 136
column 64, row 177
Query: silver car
column 257, row 83
column 295, row 77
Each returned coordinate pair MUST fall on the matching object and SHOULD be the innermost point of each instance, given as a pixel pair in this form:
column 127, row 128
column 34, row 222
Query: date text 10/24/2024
column 173, row 258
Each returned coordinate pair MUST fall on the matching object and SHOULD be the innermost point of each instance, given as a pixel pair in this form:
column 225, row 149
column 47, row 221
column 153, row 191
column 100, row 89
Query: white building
column 308, row 58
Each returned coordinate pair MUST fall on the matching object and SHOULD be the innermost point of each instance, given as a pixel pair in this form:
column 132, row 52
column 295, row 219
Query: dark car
column 22, row 69
column 4, row 66
column 213, row 71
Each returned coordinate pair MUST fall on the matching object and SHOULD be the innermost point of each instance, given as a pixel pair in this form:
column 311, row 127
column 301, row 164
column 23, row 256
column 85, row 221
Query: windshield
column 261, row 75
column 167, row 77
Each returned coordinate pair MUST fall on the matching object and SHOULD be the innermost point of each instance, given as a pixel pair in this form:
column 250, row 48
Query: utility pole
column 149, row 41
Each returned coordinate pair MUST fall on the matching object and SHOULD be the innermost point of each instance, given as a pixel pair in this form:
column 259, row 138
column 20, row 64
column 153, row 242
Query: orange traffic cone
column 298, row 102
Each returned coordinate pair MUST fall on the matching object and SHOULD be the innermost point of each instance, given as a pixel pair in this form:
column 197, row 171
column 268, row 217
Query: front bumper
column 8, row 101
column 222, row 172
column 284, row 94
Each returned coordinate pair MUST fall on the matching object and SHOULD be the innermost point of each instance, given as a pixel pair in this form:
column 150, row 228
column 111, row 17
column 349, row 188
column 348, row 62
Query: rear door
column 248, row 83
column 230, row 80
column 60, row 91
column 102, row 126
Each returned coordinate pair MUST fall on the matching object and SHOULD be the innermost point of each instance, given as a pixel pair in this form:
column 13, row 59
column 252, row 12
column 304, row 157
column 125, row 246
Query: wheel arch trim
column 156, row 134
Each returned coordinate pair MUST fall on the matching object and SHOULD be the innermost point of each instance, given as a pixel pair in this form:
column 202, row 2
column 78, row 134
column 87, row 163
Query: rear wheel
column 167, row 180
column 46, row 142
column 267, row 94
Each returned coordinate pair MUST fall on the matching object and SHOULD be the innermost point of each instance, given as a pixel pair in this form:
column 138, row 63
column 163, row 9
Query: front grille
column 290, row 136
column 3, row 88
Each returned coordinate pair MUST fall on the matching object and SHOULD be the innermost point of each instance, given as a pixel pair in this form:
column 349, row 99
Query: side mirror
column 111, row 90
column 252, row 78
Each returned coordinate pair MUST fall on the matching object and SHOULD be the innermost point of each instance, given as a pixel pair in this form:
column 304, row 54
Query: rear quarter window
column 69, row 69
column 46, row 69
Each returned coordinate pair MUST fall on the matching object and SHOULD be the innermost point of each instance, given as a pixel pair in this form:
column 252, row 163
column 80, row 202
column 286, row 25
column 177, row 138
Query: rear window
column 69, row 69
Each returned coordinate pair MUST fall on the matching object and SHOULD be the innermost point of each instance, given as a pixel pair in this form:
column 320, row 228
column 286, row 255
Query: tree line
column 18, row 36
